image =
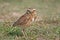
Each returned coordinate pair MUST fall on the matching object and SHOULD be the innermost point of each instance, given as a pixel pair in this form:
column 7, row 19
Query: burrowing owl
column 27, row 18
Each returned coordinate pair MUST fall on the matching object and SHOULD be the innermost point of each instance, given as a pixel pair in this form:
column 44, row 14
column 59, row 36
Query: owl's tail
column 14, row 24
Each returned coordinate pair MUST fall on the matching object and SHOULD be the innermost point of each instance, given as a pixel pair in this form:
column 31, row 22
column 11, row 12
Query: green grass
column 47, row 28
column 49, row 32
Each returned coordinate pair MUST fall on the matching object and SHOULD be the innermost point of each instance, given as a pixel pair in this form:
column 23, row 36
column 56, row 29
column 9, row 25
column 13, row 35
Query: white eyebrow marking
column 34, row 9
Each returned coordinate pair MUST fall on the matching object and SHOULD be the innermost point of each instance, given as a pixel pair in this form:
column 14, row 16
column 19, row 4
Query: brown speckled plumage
column 27, row 18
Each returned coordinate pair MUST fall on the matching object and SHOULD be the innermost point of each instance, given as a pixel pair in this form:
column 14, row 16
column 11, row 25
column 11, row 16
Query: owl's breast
column 32, row 19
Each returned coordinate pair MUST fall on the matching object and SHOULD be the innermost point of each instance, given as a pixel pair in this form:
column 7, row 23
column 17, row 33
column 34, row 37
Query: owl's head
column 31, row 10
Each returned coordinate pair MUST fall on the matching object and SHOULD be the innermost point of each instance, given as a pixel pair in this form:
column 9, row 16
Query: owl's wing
column 22, row 20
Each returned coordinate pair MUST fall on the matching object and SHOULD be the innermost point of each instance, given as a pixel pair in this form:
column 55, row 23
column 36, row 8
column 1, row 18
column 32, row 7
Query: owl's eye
column 28, row 11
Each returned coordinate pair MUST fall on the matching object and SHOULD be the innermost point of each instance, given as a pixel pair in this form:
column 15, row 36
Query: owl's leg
column 24, row 35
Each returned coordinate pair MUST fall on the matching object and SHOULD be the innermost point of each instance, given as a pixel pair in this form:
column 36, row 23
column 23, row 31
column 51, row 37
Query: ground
column 46, row 28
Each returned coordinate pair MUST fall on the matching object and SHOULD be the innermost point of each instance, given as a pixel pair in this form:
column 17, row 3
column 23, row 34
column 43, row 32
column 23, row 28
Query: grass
column 46, row 28
column 47, row 32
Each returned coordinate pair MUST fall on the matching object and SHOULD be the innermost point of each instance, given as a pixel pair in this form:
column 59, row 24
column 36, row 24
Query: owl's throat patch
column 32, row 19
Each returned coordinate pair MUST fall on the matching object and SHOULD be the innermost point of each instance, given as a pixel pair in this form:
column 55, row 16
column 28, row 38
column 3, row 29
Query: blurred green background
column 14, row 8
